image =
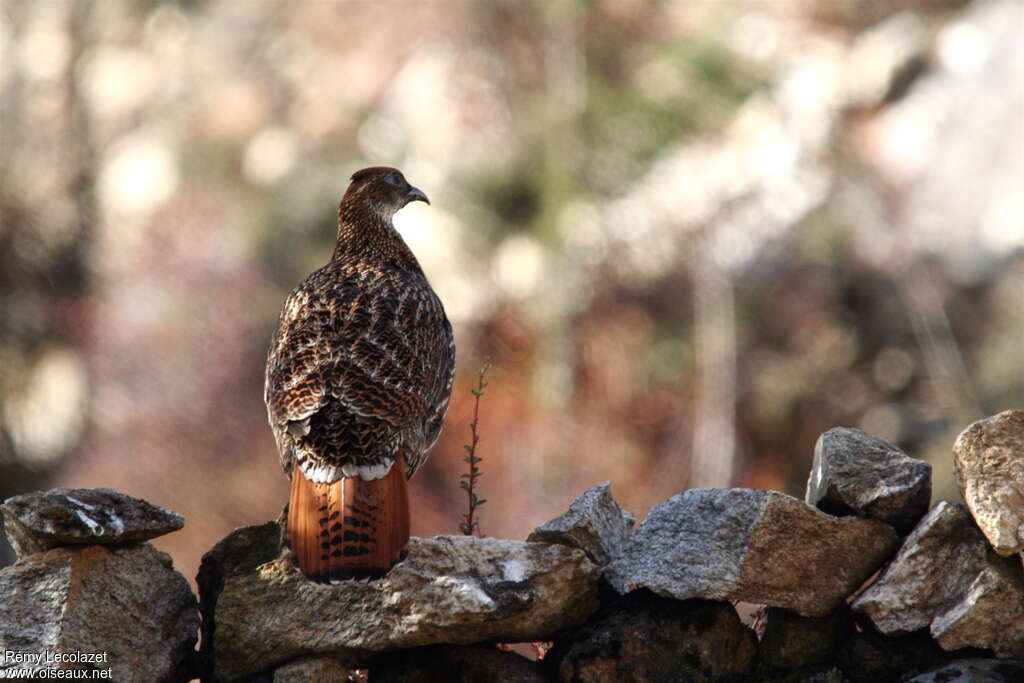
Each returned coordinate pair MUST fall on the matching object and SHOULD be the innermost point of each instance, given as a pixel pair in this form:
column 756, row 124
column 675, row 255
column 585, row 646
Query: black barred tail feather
column 351, row 528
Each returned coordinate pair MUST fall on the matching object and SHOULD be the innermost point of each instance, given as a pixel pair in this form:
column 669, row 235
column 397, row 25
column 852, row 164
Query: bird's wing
column 356, row 341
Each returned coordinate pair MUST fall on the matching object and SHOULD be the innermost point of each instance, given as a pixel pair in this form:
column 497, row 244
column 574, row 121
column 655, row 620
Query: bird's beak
column 415, row 194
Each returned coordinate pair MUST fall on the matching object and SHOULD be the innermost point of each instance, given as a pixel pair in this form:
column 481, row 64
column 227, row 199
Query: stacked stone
column 89, row 592
column 860, row 581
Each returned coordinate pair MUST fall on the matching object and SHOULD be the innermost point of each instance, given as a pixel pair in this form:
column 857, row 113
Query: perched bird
column 358, row 379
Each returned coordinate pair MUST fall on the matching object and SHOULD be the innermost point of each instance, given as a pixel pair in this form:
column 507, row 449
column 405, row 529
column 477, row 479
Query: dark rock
column 791, row 641
column 974, row 671
column 313, row 670
column 989, row 459
column 35, row 522
column 643, row 638
column 858, row 474
column 449, row 589
column 869, row 657
column 762, row 547
column 127, row 602
column 238, row 553
column 594, row 523
column 455, row 664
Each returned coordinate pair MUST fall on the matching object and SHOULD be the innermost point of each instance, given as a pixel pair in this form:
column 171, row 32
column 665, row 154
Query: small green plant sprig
column 468, row 480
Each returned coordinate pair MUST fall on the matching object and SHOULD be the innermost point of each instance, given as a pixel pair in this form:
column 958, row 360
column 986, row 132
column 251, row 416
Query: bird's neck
column 366, row 233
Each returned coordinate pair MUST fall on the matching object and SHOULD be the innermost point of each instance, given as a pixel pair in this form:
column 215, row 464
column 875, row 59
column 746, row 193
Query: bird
column 358, row 379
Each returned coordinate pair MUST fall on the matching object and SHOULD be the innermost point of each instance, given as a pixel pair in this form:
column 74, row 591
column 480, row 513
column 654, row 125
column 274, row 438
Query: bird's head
column 383, row 188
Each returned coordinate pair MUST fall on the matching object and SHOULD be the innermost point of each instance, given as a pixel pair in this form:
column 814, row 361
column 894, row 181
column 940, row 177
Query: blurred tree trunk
column 712, row 462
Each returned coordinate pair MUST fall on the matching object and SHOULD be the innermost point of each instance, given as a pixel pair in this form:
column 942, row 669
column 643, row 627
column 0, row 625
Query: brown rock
column 455, row 664
column 450, row 589
column 642, row 638
column 128, row 603
column 989, row 458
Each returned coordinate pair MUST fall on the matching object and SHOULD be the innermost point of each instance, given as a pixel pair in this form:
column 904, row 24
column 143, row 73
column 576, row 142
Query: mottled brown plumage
column 358, row 379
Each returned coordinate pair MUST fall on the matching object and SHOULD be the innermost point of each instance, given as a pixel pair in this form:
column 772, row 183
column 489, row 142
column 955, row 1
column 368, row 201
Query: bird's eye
column 392, row 179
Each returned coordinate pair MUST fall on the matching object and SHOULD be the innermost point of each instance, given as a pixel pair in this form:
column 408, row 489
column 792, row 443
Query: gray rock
column 594, row 523
column 449, row 589
column 312, row 670
column 931, row 572
column 128, row 603
column 38, row 521
column 455, row 664
column 645, row 639
column 791, row 641
column 974, row 671
column 989, row 458
column 757, row 546
column 990, row 614
column 858, row 474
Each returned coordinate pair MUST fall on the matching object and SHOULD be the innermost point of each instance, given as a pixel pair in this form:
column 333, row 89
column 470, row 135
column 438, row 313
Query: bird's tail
column 351, row 528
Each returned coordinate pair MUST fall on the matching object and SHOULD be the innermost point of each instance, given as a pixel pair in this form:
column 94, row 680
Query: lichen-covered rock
column 126, row 602
column 757, row 546
column 594, row 523
column 858, row 474
column 455, row 664
column 989, row 458
column 449, row 589
column 974, row 671
column 35, row 522
column 932, row 570
column 645, row 639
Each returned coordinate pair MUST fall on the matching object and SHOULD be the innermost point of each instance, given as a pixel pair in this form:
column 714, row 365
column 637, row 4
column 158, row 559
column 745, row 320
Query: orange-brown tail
column 349, row 529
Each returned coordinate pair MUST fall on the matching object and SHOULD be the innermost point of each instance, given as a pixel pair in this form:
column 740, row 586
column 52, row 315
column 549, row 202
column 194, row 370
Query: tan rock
column 989, row 458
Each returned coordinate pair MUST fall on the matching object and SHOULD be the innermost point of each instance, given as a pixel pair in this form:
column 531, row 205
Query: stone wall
column 861, row 581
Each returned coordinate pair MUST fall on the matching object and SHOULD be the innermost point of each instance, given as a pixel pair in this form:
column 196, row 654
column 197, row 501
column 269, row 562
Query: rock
column 643, row 638
column 868, row 657
column 762, row 547
column 989, row 458
column 594, row 523
column 791, row 641
column 128, row 603
column 933, row 569
column 973, row 671
column 945, row 578
column 449, row 589
column 38, row 521
column 238, row 553
column 312, row 670
column 990, row 615
column 858, row 474
column 455, row 664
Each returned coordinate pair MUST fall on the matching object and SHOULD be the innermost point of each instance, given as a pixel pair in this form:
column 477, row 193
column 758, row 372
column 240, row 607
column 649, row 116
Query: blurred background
column 691, row 236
